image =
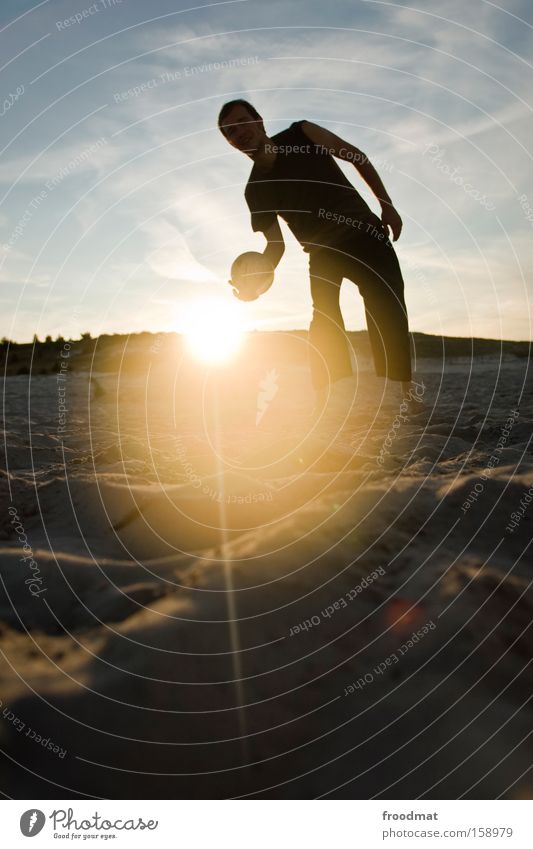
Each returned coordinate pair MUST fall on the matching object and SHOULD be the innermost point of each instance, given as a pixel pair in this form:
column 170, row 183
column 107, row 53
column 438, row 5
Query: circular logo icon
column 32, row 822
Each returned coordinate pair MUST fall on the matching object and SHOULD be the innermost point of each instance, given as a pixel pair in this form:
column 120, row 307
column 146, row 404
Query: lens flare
column 214, row 330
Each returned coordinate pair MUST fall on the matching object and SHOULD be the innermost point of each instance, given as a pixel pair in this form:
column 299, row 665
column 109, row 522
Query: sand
column 220, row 591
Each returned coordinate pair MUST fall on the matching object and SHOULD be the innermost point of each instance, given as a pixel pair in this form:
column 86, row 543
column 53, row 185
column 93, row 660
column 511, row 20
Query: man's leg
column 386, row 317
column 376, row 270
column 329, row 351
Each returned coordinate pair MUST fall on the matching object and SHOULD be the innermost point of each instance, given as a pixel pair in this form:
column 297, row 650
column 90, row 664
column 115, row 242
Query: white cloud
column 170, row 256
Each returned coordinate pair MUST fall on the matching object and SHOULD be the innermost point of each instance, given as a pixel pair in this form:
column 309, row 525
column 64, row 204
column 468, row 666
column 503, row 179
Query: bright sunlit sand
column 214, row 330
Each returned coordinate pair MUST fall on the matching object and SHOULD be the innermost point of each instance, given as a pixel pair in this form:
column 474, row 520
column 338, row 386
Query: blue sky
column 121, row 203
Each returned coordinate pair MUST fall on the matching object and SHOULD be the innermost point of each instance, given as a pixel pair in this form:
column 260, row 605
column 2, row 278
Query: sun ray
column 214, row 330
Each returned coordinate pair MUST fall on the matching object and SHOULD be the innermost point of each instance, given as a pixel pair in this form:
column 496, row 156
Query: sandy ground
column 208, row 593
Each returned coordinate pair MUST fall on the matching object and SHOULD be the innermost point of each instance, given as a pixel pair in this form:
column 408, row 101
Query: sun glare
column 214, row 330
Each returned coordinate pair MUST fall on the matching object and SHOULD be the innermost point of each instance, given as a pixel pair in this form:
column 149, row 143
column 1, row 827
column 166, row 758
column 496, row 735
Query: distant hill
column 109, row 353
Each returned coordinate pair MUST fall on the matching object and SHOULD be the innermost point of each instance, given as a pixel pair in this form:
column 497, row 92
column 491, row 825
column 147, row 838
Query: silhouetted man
column 295, row 176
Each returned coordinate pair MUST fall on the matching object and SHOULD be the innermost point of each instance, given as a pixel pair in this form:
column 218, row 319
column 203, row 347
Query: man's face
column 242, row 130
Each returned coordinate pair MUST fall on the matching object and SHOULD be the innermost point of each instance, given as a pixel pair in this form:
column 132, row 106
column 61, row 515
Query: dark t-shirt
column 308, row 190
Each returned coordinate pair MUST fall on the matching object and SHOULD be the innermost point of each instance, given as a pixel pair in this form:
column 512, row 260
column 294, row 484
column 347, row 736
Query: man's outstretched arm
column 344, row 150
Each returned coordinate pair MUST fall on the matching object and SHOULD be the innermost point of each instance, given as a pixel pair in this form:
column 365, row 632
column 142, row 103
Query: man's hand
column 241, row 297
column 344, row 150
column 390, row 218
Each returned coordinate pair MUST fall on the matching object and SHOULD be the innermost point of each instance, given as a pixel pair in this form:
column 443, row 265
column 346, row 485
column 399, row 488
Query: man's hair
column 229, row 105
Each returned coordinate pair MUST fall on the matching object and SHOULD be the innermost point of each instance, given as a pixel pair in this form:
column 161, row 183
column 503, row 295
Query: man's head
column 242, row 126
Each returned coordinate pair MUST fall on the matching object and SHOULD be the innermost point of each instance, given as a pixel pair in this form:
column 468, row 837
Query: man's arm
column 345, row 150
column 275, row 245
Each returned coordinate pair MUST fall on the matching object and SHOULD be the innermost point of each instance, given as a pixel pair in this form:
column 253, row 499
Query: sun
column 214, row 330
